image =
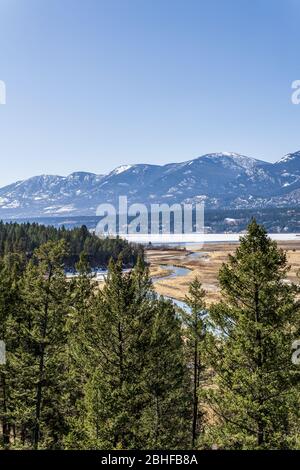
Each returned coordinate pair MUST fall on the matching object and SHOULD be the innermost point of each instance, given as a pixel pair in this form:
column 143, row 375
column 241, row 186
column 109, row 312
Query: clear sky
column 93, row 84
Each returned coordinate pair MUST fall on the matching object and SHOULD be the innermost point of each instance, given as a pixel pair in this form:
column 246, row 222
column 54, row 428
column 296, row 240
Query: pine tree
column 80, row 349
column 137, row 393
column 253, row 398
column 195, row 333
column 82, row 294
column 46, row 307
column 120, row 330
column 166, row 418
column 10, row 275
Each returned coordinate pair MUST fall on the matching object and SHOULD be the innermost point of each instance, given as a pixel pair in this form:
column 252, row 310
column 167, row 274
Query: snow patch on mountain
column 222, row 180
column 289, row 157
column 120, row 169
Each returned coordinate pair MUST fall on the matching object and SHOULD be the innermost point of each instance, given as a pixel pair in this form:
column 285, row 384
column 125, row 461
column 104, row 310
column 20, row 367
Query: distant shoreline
column 201, row 239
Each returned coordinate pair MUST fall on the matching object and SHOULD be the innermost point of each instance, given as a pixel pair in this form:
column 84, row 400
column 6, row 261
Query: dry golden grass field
column 205, row 264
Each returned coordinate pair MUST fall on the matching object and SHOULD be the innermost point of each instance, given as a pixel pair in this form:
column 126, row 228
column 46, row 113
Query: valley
column 186, row 264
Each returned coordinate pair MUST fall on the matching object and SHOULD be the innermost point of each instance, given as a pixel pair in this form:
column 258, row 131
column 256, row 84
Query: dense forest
column 121, row 368
column 25, row 238
column 274, row 219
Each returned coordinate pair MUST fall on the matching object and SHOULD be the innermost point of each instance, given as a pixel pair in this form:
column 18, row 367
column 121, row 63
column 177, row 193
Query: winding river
column 178, row 271
column 174, row 271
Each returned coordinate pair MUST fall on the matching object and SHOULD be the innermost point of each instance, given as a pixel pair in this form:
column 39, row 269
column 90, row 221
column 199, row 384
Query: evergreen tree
column 166, row 418
column 46, row 307
column 80, row 349
column 253, row 398
column 136, row 395
column 121, row 328
column 10, row 275
column 195, row 333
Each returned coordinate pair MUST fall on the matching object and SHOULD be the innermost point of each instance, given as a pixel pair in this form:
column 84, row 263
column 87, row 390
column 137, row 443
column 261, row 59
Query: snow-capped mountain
column 222, row 180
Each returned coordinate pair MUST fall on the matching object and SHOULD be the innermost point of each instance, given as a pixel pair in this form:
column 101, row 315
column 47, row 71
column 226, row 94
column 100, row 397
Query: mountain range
column 221, row 180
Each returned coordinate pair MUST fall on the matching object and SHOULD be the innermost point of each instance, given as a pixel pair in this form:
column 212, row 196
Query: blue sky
column 94, row 84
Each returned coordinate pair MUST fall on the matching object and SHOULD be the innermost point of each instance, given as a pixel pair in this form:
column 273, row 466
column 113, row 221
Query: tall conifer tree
column 46, row 307
column 10, row 276
column 254, row 399
column 195, row 333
